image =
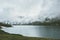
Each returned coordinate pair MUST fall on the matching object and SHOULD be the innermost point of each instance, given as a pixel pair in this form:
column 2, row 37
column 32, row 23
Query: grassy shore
column 7, row 36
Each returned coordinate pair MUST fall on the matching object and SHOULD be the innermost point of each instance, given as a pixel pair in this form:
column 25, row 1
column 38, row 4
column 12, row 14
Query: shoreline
column 7, row 36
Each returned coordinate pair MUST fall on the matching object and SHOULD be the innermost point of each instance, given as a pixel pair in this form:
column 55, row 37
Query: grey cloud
column 40, row 7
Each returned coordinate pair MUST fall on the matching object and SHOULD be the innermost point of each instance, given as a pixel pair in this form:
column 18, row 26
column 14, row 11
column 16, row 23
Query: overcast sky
column 29, row 8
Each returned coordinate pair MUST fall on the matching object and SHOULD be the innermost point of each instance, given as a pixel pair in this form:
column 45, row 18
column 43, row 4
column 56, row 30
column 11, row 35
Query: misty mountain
column 26, row 11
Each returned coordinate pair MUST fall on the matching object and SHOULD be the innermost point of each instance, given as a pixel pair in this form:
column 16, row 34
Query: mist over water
column 31, row 10
column 27, row 11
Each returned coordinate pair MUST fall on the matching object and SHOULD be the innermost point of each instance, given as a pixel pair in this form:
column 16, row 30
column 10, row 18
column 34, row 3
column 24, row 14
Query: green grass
column 7, row 36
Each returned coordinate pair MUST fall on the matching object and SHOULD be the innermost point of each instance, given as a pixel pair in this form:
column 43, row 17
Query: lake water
column 34, row 31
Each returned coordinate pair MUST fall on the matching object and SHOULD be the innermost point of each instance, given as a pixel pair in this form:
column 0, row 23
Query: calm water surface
column 35, row 31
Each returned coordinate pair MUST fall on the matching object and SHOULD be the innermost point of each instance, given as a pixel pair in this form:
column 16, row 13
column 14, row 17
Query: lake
column 34, row 31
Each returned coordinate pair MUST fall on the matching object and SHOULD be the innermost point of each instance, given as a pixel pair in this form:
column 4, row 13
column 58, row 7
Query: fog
column 31, row 10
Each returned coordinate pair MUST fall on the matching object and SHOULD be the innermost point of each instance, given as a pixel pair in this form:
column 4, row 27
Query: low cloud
column 30, row 8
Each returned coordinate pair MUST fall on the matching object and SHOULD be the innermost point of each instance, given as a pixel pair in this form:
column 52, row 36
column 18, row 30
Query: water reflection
column 35, row 31
column 50, row 32
column 24, row 30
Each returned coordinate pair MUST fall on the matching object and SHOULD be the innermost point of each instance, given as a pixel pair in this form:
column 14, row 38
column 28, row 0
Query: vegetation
column 7, row 36
column 4, row 24
column 47, row 21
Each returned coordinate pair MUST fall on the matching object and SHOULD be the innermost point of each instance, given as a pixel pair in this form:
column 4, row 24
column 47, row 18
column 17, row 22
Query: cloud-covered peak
column 30, row 9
